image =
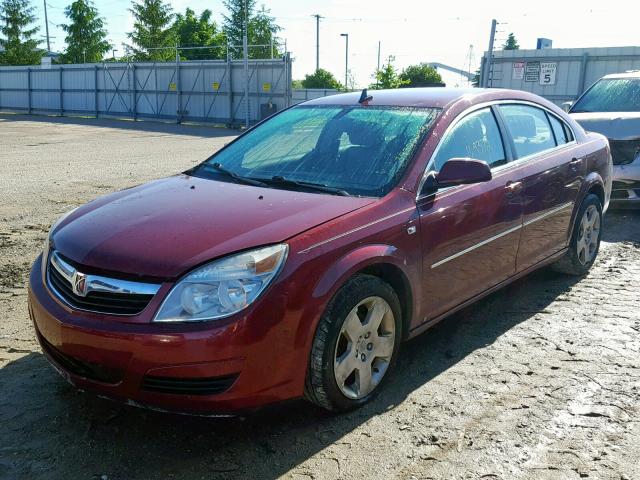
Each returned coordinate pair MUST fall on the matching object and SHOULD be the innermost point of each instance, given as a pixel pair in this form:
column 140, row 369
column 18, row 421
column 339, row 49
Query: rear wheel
column 585, row 239
column 355, row 345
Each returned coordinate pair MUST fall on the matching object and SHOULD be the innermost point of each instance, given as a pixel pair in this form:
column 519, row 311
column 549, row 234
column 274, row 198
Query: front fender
column 344, row 268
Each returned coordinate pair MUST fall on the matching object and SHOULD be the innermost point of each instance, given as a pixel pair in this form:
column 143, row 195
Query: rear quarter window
column 560, row 130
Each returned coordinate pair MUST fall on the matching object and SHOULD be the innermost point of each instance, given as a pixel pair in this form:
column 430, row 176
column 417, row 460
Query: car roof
column 434, row 97
column 628, row 74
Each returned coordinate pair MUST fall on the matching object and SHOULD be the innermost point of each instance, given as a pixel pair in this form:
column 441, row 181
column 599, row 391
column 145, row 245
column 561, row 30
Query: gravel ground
column 540, row 380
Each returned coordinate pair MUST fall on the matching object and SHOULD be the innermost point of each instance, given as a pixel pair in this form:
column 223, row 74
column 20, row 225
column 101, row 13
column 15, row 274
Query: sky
column 454, row 33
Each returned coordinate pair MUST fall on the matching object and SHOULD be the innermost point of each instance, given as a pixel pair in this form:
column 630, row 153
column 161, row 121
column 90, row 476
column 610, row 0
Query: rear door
column 548, row 162
column 470, row 233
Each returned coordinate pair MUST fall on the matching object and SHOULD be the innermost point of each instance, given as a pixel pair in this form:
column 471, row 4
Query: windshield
column 357, row 150
column 611, row 95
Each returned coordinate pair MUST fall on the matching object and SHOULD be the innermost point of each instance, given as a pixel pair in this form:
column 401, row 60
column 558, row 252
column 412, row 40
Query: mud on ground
column 539, row 381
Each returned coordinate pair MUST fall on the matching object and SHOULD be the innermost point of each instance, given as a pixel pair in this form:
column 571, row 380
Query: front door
column 470, row 233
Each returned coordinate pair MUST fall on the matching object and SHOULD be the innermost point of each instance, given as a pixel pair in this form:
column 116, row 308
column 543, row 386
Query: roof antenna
column 364, row 97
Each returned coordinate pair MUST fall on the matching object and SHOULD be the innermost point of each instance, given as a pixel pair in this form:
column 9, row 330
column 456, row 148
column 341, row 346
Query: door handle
column 575, row 161
column 513, row 187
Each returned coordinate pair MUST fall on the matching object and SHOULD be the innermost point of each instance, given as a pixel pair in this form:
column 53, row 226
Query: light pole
column 318, row 17
column 46, row 27
column 346, row 58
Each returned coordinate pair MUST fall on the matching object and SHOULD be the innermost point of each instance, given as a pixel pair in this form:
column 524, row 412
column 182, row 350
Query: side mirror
column 566, row 106
column 457, row 171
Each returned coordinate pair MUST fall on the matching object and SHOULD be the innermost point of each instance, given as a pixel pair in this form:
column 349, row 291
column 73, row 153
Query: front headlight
column 223, row 287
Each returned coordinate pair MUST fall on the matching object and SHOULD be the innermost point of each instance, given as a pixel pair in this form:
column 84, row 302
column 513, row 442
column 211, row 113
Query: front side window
column 611, row 95
column 529, row 129
column 361, row 150
column 475, row 136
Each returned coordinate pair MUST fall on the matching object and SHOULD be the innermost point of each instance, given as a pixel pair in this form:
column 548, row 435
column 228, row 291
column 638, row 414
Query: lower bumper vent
column 82, row 368
column 189, row 386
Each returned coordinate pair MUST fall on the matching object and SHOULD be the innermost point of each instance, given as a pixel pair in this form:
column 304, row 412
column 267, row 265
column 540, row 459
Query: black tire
column 570, row 263
column 321, row 387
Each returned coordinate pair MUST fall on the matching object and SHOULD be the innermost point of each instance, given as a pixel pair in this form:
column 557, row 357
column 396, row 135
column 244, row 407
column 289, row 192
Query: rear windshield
column 611, row 95
column 361, row 150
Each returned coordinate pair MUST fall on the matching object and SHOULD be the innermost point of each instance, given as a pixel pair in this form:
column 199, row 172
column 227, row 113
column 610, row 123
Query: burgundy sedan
column 294, row 261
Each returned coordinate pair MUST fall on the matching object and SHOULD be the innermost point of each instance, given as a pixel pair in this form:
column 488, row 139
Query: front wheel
column 585, row 239
column 355, row 345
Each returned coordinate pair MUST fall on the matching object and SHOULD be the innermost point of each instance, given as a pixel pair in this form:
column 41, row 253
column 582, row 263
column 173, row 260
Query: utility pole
column 46, row 27
column 245, row 49
column 346, row 58
column 470, row 63
column 379, row 54
column 486, row 70
column 318, row 17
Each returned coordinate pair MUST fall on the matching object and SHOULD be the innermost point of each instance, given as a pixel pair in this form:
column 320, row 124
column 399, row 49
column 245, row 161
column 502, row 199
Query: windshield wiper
column 280, row 180
column 237, row 177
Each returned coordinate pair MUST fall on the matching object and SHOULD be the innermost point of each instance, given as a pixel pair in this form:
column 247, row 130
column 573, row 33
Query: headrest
column 522, row 126
column 364, row 134
column 469, row 133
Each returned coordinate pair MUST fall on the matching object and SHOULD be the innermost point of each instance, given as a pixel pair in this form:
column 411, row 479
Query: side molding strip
column 477, row 245
column 502, row 234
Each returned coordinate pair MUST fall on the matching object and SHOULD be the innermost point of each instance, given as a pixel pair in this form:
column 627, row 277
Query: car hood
column 164, row 228
column 613, row 125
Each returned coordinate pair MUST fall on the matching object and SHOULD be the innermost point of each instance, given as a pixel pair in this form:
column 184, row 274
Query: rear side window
column 475, row 136
column 529, row 129
column 560, row 130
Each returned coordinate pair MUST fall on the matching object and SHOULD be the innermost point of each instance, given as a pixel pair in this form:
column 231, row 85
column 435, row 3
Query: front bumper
column 211, row 367
column 626, row 185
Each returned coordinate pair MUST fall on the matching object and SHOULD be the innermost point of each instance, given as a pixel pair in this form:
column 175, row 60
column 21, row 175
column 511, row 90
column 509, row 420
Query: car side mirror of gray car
column 456, row 171
column 566, row 106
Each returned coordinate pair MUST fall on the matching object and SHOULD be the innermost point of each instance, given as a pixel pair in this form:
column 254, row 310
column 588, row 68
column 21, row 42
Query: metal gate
column 200, row 91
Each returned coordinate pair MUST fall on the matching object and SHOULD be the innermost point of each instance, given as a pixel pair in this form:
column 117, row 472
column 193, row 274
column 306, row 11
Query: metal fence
column 203, row 91
column 304, row 94
column 558, row 74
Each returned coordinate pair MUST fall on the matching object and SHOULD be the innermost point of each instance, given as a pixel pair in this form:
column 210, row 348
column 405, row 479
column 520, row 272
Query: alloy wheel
column 588, row 235
column 364, row 348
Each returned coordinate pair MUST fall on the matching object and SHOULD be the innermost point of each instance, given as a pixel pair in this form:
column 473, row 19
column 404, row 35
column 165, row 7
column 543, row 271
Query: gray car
column 612, row 107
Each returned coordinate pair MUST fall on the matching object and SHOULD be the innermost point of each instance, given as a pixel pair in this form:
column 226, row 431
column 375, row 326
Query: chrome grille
column 95, row 293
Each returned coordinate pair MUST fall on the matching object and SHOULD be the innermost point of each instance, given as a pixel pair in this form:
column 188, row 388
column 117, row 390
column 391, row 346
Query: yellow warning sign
column 266, row 87
column 215, row 85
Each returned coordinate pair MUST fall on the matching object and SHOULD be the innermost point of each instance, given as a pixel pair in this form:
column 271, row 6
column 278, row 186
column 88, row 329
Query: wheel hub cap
column 588, row 235
column 364, row 348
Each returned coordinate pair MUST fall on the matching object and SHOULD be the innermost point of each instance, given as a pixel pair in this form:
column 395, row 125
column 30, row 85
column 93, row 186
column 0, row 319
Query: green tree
column 476, row 79
column 199, row 31
column 511, row 43
column 152, row 34
column 387, row 76
column 321, row 79
column 20, row 48
column 421, row 74
column 261, row 30
column 86, row 36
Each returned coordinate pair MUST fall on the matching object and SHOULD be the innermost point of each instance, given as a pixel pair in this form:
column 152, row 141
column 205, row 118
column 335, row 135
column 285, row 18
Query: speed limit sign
column 548, row 73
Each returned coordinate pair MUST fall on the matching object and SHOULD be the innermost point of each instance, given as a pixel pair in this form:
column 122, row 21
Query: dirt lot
column 539, row 381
